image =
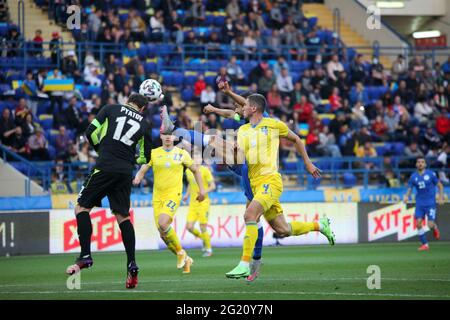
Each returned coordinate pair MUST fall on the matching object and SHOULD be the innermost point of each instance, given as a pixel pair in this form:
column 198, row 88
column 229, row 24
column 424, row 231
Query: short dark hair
column 138, row 99
column 421, row 158
column 258, row 101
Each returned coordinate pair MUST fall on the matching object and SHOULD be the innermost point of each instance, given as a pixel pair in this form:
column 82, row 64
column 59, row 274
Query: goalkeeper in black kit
column 114, row 134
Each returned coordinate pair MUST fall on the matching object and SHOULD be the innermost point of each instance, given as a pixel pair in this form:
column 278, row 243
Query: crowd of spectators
column 413, row 109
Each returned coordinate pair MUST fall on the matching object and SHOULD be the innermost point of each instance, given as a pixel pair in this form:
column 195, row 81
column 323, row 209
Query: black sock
column 128, row 238
column 84, row 232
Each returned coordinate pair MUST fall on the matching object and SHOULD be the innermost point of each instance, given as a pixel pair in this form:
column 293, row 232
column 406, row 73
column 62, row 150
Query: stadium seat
column 229, row 124
column 381, row 150
column 155, row 133
column 219, row 20
column 187, row 94
column 142, row 51
column 189, row 78
column 51, row 152
column 349, row 180
column 312, row 22
column 399, row 148
column 289, row 165
column 312, row 182
column 150, row 67
column 46, row 121
column 156, row 121
column 95, row 90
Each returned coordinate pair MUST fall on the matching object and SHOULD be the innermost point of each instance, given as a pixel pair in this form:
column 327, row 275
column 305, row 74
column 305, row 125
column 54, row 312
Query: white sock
column 244, row 264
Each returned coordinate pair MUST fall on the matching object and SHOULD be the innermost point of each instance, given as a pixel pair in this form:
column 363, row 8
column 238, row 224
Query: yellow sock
column 173, row 240
column 206, row 240
column 196, row 233
column 169, row 245
column 299, row 228
column 251, row 235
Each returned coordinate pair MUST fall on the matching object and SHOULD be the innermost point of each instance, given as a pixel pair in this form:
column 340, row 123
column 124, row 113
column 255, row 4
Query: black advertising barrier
column 395, row 222
column 24, row 233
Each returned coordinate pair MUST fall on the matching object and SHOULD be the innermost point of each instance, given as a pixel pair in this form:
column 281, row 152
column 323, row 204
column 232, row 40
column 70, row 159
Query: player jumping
column 425, row 182
column 168, row 164
column 114, row 134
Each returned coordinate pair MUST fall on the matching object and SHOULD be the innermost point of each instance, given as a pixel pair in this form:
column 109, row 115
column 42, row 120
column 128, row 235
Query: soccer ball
column 151, row 89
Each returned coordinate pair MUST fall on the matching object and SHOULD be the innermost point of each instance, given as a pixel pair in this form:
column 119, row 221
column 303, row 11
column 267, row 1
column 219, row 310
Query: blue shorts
column 429, row 211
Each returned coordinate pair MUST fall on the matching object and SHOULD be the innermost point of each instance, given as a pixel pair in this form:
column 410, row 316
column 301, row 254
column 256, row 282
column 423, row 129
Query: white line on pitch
column 224, row 279
column 361, row 294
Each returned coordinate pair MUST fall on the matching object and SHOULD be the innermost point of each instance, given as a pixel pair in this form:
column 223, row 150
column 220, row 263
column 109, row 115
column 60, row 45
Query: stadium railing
column 169, row 56
column 336, row 172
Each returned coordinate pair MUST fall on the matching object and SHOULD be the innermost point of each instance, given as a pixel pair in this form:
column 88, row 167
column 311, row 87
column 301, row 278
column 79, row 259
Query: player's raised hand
column 224, row 86
column 313, row 170
column 209, row 109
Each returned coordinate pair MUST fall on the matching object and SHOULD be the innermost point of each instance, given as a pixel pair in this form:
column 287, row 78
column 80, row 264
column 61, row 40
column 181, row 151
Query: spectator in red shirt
column 199, row 86
column 303, row 110
column 443, row 124
column 37, row 42
column 335, row 100
column 380, row 128
column 312, row 140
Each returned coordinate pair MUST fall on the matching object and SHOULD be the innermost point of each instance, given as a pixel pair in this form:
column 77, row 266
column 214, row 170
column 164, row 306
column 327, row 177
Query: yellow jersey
column 260, row 144
column 206, row 177
column 168, row 167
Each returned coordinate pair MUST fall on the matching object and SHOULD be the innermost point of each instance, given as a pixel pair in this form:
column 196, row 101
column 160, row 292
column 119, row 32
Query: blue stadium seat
column 289, row 165
column 155, row 133
column 326, row 121
column 228, row 124
column 209, row 20
column 127, row 3
column 399, row 148
column 189, row 79
column 151, row 50
column 150, row 67
column 51, row 152
column 312, row 22
column 187, row 94
column 46, row 121
column 142, row 51
column 4, row 87
column 323, row 165
column 349, row 180
column 219, row 21
column 156, row 121
column 381, row 150
column 312, row 182
column 94, row 90
column 3, row 29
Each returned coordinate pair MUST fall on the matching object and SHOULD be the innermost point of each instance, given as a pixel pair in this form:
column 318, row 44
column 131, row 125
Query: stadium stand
column 343, row 103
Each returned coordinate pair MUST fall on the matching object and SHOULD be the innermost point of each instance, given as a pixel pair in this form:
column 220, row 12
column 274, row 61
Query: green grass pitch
column 304, row 272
